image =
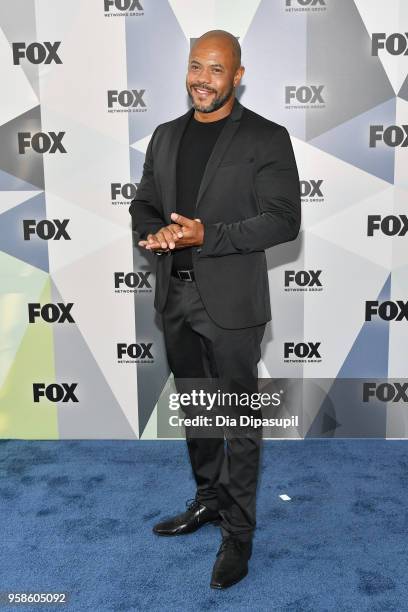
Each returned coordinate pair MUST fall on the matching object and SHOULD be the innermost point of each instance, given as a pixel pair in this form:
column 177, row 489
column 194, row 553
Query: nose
column 204, row 75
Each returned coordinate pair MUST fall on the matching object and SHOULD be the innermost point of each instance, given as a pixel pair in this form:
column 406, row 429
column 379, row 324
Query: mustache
column 201, row 87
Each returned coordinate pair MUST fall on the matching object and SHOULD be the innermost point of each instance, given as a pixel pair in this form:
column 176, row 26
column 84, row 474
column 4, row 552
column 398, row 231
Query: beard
column 217, row 102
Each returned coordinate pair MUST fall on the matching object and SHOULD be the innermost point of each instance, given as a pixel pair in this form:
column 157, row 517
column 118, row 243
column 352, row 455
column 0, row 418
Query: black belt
column 184, row 275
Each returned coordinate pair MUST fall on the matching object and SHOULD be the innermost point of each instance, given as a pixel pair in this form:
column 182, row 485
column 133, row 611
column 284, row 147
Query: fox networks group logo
column 303, row 280
column 301, row 352
column 385, row 392
column 50, row 313
column 132, row 282
column 64, row 392
column 45, row 229
column 123, row 193
column 40, row 142
column 305, row 5
column 392, row 136
column 126, row 101
column 305, row 96
column 389, row 225
column 135, row 353
column 36, row 52
column 394, row 44
column 387, row 311
column 123, row 8
column 311, row 190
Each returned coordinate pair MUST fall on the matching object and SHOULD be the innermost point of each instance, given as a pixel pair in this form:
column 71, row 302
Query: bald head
column 227, row 40
column 214, row 71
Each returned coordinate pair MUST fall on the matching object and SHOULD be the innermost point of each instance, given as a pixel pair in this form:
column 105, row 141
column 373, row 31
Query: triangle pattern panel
column 349, row 141
column 338, row 53
column 368, row 357
column 263, row 371
column 157, row 425
column 20, row 415
column 267, row 66
column 98, row 413
column 287, row 323
column 348, row 229
column 82, row 176
column 103, row 319
column 236, row 21
column 399, row 228
column 185, row 13
column 387, row 18
column 399, row 286
column 216, row 16
column 343, row 413
column 136, row 165
column 74, row 94
column 403, row 92
column 152, row 377
column 90, row 232
column 401, row 153
column 141, row 145
column 324, row 424
column 159, row 30
column 397, row 421
column 340, row 304
column 398, row 341
column 320, row 415
column 21, row 283
column 33, row 251
column 18, row 23
column 21, row 97
column 13, row 198
column 342, row 186
column 150, row 430
column 8, row 182
column 164, row 430
column 28, row 166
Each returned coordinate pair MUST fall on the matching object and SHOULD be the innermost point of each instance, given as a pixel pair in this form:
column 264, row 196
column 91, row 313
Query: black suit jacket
column 248, row 201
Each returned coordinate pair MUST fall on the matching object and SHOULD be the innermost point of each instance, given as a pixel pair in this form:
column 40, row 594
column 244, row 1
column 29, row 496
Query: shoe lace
column 229, row 542
column 192, row 504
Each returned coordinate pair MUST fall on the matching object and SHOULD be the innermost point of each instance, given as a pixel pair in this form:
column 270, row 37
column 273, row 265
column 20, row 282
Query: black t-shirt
column 195, row 148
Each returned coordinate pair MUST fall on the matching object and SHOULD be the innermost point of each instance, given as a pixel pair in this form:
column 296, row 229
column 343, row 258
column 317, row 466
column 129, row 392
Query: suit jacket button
column 199, row 250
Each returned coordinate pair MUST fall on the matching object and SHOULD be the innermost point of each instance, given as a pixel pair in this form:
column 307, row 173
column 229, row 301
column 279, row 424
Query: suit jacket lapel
column 225, row 136
column 175, row 139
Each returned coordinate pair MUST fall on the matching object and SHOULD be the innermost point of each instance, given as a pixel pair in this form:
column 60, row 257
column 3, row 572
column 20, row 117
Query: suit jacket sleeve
column 278, row 194
column 145, row 208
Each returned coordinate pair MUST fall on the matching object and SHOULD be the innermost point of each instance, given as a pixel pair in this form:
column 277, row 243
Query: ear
column 238, row 75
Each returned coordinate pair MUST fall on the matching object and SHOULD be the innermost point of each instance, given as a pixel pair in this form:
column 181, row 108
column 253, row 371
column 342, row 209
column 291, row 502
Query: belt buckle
column 187, row 272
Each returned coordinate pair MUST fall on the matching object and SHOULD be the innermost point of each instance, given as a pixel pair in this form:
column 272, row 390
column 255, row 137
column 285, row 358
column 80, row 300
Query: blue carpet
column 76, row 516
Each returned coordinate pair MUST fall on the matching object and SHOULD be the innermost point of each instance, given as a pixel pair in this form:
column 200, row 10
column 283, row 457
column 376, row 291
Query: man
column 219, row 186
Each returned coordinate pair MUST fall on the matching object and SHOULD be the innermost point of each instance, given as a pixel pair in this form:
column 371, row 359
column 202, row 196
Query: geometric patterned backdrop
column 84, row 84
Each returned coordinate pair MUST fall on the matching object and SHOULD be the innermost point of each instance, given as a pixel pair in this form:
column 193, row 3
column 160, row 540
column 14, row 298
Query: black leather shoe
column 231, row 564
column 192, row 519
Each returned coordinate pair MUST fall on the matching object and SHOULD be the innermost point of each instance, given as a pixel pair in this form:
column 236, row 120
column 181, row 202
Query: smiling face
column 212, row 74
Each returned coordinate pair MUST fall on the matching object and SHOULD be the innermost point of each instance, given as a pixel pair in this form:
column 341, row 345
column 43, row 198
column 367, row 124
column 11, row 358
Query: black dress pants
column 225, row 464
